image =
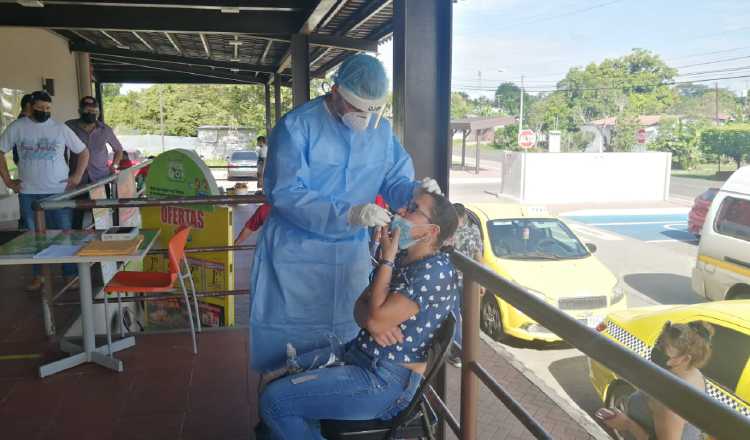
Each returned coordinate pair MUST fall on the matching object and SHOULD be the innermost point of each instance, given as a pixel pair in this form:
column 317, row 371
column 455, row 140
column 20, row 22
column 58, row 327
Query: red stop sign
column 526, row 138
column 641, row 136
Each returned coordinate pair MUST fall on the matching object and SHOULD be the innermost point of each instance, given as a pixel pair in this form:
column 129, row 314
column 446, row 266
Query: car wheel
column 617, row 397
column 491, row 322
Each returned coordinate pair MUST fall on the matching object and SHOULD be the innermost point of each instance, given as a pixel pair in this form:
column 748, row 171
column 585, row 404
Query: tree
column 110, row 90
column 624, row 133
column 699, row 101
column 459, row 105
column 731, row 140
column 508, row 98
column 681, row 139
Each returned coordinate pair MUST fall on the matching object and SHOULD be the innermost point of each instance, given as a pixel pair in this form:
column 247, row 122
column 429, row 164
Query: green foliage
column 188, row 106
column 506, row 138
column 698, row 101
column 575, row 141
column 731, row 140
column 681, row 139
column 459, row 105
column 624, row 133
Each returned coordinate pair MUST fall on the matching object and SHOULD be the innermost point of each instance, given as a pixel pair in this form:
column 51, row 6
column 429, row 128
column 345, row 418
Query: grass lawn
column 215, row 162
column 706, row 171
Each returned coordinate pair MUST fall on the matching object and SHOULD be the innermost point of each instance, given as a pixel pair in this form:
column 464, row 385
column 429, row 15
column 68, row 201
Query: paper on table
column 59, row 251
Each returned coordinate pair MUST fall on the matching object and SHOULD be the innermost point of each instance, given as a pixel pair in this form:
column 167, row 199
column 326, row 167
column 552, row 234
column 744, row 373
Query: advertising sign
column 181, row 173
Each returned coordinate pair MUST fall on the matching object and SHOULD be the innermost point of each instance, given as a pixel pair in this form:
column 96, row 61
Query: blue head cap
column 364, row 77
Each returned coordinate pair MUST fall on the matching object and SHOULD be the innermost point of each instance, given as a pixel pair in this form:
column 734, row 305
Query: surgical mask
column 41, row 116
column 357, row 121
column 88, row 118
column 405, row 240
column 660, row 357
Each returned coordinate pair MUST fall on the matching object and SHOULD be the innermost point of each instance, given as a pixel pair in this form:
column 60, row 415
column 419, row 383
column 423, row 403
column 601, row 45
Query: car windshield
column 534, row 239
column 244, row 155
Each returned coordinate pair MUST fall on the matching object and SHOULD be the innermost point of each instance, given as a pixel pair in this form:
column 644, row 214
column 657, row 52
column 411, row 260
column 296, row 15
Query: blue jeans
column 362, row 388
column 54, row 219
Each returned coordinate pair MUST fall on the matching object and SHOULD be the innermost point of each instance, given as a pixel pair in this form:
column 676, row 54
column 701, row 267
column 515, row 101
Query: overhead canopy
column 206, row 41
column 478, row 124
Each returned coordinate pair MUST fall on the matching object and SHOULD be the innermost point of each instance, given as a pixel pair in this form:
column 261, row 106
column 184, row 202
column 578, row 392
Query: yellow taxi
column 540, row 252
column 727, row 373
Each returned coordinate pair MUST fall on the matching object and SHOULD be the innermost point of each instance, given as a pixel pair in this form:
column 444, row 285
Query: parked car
column 722, row 268
column 540, row 252
column 698, row 212
column 248, row 160
column 727, row 372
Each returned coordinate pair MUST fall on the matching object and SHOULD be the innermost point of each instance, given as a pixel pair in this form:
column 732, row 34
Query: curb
column 577, row 414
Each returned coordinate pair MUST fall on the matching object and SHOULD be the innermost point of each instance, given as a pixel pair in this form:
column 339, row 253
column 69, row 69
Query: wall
column 587, row 177
column 28, row 55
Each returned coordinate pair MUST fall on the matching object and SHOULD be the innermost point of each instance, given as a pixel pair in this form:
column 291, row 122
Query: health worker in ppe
column 328, row 160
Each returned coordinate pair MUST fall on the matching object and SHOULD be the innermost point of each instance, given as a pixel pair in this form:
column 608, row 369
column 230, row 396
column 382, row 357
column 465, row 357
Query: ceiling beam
column 143, row 40
column 201, row 72
column 117, row 42
column 265, row 51
column 323, row 8
column 205, row 45
column 160, row 77
column 175, row 59
column 129, row 18
column 173, row 42
column 229, row 6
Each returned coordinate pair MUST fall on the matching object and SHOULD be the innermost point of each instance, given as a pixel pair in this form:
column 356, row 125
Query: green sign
column 180, row 173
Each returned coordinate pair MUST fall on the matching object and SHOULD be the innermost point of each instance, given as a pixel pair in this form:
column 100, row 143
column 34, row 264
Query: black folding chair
column 418, row 420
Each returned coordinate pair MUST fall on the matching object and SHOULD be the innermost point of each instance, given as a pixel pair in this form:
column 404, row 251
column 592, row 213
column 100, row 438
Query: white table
column 21, row 251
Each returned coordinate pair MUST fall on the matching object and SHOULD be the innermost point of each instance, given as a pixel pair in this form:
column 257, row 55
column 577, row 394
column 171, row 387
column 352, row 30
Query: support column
column 422, row 36
column 277, row 98
column 98, row 96
column 267, row 93
column 83, row 68
column 300, row 69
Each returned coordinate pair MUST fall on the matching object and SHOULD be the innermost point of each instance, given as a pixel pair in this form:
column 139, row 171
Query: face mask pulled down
column 88, row 118
column 405, row 240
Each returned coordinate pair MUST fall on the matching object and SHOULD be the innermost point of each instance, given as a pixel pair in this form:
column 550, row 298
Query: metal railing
column 685, row 400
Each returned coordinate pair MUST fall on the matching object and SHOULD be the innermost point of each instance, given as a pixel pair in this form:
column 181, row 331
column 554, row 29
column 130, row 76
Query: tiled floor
column 167, row 393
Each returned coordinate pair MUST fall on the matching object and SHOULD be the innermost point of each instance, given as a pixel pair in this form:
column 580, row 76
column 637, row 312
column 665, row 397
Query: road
column 651, row 252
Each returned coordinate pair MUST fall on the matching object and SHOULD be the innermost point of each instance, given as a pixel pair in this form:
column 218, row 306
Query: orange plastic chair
column 156, row 282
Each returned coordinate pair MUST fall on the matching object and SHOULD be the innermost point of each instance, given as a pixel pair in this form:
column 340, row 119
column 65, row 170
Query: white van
column 722, row 270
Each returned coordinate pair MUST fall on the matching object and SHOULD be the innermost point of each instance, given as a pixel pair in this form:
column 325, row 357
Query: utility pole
column 161, row 117
column 716, row 88
column 520, row 117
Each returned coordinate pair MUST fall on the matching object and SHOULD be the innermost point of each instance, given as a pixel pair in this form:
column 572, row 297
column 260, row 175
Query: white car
column 247, row 160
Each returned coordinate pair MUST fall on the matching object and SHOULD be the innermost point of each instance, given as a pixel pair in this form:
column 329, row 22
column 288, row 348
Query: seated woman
column 377, row 374
column 681, row 349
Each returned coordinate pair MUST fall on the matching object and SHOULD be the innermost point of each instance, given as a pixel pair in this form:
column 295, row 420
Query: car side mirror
column 591, row 247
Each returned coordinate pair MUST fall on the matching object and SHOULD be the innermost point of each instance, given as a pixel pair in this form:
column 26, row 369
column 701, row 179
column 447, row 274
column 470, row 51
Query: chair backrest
column 436, row 357
column 176, row 248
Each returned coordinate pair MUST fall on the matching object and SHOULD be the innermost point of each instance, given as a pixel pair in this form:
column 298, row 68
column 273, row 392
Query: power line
column 545, row 17
column 621, row 87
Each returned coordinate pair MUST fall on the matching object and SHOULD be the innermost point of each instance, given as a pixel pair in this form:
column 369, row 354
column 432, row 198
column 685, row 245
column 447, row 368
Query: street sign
column 526, row 138
column 641, row 136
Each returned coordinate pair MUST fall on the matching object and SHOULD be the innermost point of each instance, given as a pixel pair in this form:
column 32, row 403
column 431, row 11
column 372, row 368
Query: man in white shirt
column 262, row 152
column 42, row 169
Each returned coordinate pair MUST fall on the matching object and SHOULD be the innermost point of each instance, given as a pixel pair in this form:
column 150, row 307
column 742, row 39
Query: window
column 734, row 218
column 730, row 353
column 534, row 239
column 244, row 155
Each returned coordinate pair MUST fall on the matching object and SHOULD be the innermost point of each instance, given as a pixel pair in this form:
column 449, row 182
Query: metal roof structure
column 206, row 41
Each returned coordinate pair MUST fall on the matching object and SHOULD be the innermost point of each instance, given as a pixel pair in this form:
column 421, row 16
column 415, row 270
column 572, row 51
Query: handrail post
column 440, row 388
column 469, row 355
column 40, row 227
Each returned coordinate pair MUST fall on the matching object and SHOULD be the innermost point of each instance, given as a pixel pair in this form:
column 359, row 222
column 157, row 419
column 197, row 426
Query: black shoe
column 455, row 361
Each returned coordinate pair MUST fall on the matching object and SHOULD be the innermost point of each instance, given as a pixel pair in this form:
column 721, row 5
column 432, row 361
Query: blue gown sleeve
column 287, row 183
column 398, row 185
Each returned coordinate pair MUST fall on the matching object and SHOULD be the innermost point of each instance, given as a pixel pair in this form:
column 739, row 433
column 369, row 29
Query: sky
column 507, row 39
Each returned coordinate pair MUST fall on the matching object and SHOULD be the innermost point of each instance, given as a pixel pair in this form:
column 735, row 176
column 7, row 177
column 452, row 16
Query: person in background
column 25, row 113
column 42, row 170
column 96, row 135
column 125, row 162
column 377, row 373
column 262, row 146
column 254, row 223
column 330, row 158
column 468, row 241
column 682, row 349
